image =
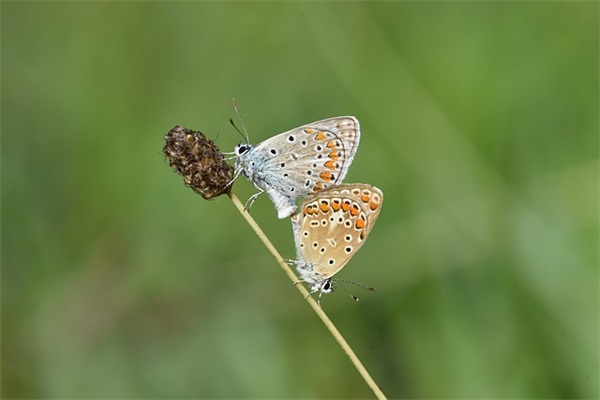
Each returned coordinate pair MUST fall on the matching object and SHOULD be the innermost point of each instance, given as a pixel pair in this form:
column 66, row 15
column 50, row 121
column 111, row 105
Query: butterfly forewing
column 315, row 155
column 307, row 159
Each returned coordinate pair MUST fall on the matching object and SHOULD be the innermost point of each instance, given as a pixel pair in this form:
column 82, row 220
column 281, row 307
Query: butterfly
column 330, row 228
column 299, row 162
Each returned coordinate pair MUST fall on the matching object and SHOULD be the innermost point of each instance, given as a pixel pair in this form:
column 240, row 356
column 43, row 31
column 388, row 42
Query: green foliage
column 479, row 123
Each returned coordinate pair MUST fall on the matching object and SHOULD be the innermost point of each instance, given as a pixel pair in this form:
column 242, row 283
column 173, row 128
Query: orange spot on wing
column 326, row 176
column 334, row 155
column 354, row 210
column 330, row 164
column 373, row 205
column 365, row 198
column 331, row 144
column 335, row 204
column 360, row 224
column 309, row 130
column 345, row 205
column 320, row 136
column 324, row 206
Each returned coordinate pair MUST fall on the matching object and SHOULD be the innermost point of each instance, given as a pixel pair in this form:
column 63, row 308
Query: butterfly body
column 299, row 162
column 330, row 228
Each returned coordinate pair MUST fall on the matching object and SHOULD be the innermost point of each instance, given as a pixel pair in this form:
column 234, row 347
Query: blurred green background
column 479, row 122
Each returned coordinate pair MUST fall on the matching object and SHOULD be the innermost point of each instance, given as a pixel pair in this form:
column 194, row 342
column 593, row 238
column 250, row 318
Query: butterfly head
column 243, row 163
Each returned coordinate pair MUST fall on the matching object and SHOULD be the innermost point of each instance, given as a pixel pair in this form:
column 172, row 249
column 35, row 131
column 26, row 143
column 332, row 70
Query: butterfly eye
column 326, row 288
column 242, row 149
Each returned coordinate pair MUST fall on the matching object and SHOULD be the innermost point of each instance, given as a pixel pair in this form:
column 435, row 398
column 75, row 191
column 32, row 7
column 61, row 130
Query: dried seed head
column 199, row 161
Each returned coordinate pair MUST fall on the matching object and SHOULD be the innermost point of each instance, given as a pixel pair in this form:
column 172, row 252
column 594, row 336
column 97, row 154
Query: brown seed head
column 199, row 161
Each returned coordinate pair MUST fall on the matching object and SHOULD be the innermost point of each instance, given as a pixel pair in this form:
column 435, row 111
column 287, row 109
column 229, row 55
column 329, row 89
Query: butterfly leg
column 298, row 281
column 297, row 263
column 235, row 176
column 309, row 293
column 252, row 198
column 319, row 299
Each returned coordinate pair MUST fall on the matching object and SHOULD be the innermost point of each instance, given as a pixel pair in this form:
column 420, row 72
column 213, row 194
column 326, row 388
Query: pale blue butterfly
column 299, row 162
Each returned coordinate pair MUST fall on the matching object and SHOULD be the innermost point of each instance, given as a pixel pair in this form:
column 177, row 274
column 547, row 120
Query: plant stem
column 311, row 301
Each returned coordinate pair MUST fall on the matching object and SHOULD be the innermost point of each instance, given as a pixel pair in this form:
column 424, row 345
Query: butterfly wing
column 309, row 158
column 334, row 224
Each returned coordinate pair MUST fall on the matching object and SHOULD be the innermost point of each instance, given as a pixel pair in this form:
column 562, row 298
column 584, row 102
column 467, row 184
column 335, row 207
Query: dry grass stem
column 311, row 301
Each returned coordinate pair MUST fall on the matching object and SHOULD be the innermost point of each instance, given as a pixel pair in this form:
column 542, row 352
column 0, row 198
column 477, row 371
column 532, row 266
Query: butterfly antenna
column 355, row 284
column 347, row 291
column 372, row 289
column 245, row 135
column 237, row 129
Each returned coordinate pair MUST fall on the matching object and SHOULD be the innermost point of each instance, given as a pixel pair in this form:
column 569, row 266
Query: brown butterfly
column 330, row 228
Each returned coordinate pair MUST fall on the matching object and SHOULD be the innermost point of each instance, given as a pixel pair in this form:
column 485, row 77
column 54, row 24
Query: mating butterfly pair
column 311, row 161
